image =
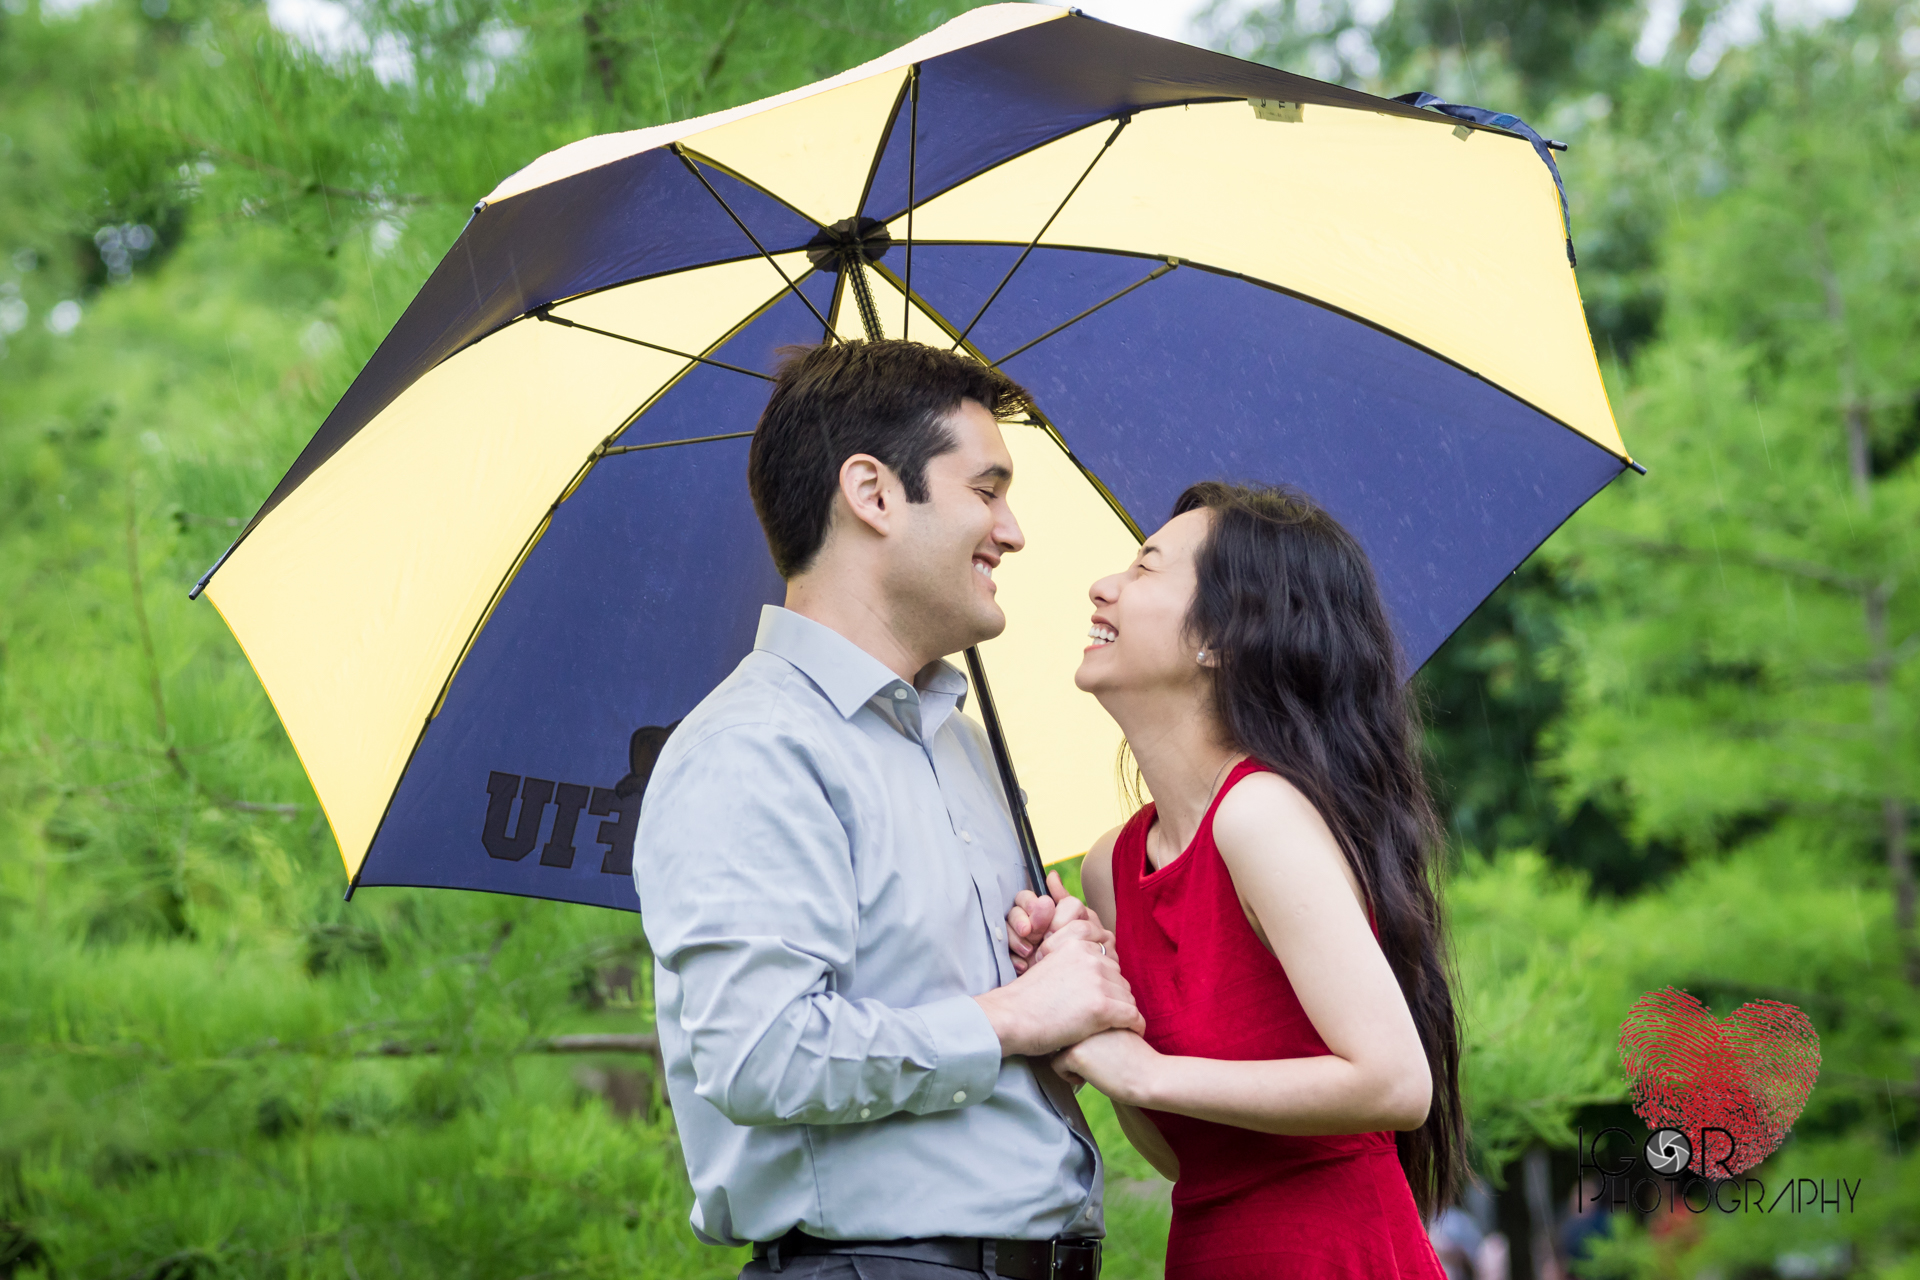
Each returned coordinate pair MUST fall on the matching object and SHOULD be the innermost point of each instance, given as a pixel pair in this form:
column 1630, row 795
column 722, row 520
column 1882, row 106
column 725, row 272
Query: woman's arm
column 1096, row 881
column 1148, row 1140
column 1303, row 901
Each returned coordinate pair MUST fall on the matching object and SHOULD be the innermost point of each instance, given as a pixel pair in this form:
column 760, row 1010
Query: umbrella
column 520, row 548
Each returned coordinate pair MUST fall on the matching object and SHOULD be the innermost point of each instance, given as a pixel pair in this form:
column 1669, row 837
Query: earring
column 1200, row 657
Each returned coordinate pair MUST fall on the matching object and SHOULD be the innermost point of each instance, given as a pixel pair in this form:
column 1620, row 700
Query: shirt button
column 865, row 1112
column 1000, row 935
column 900, row 695
column 960, row 1095
column 967, row 836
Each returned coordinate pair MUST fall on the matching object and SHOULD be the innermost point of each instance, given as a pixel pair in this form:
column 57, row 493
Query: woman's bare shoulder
column 1266, row 815
column 1103, row 847
column 1099, row 859
column 1264, row 797
column 1096, row 872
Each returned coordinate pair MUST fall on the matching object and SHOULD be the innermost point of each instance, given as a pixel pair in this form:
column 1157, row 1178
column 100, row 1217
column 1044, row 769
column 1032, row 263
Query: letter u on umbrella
column 524, row 534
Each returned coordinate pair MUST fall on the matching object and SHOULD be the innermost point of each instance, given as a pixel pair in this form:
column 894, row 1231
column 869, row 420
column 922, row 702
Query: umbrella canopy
column 524, row 532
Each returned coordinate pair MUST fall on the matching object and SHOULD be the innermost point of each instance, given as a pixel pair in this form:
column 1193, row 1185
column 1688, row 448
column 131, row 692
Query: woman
column 1272, row 906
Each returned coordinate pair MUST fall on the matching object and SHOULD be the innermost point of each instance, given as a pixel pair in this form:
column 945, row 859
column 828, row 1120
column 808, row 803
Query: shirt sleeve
column 748, row 897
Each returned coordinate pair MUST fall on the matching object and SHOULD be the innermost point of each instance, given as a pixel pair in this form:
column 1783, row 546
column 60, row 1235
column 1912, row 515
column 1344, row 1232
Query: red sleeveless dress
column 1248, row 1205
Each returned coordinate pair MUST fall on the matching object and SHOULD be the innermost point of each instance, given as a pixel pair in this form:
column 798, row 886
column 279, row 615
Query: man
column 825, row 863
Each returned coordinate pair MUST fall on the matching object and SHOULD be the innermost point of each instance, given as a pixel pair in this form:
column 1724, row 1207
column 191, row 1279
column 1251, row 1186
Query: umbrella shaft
column 1016, row 802
column 863, row 296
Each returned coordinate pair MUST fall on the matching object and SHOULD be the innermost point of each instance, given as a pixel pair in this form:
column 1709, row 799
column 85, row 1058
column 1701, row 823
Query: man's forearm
column 827, row 1060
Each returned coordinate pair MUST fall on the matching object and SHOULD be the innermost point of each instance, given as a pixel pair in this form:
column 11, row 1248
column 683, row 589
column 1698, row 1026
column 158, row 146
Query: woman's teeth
column 1102, row 635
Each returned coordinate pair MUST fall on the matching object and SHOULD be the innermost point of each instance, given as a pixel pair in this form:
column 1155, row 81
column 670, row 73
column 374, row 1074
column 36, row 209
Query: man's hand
column 1071, row 989
column 1034, row 918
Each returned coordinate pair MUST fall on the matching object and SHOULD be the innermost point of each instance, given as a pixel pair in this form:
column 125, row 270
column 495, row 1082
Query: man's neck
column 859, row 617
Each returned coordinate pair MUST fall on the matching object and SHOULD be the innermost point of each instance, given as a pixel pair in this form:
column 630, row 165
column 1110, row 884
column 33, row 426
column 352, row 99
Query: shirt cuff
column 969, row 1054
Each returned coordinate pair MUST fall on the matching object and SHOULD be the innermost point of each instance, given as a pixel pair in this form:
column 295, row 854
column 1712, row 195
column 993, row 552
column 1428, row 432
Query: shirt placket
column 904, row 704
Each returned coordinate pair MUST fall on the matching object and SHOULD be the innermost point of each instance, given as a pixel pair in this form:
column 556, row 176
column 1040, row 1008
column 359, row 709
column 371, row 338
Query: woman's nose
column 1105, row 590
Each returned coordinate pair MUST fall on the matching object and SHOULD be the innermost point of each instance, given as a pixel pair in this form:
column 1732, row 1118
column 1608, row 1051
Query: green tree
column 214, row 1066
column 1740, row 655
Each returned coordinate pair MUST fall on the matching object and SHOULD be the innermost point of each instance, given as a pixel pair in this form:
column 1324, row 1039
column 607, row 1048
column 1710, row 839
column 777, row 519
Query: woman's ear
column 1207, row 658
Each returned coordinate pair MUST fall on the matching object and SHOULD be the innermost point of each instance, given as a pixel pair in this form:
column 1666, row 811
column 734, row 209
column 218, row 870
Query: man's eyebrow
column 995, row 473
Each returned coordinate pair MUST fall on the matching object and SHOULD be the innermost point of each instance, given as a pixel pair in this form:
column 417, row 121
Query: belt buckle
column 1053, row 1257
column 1091, row 1252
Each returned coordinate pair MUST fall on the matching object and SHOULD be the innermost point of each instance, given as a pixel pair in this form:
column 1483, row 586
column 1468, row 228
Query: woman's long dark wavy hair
column 1308, row 682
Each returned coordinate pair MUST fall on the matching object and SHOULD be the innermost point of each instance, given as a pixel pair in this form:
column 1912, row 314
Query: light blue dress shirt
column 825, row 863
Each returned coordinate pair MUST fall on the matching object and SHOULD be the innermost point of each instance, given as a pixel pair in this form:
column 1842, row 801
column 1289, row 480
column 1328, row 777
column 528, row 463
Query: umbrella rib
column 694, row 169
column 1058, row 209
column 913, row 144
column 668, row 444
column 1151, row 276
column 546, row 313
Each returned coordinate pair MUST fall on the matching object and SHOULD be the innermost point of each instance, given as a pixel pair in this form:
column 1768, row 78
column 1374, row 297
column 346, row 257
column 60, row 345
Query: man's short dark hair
column 888, row 398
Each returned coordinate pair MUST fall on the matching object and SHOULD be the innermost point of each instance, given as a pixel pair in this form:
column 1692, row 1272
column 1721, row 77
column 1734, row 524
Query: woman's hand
column 1119, row 1064
column 1034, row 920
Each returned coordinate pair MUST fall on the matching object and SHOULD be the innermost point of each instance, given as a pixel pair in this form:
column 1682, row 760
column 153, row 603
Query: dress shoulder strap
column 1242, row 771
column 1130, row 852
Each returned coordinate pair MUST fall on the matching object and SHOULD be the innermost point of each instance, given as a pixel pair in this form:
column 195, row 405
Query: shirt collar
column 846, row 673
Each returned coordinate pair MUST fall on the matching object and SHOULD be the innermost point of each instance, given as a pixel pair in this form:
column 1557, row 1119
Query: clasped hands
column 1070, row 998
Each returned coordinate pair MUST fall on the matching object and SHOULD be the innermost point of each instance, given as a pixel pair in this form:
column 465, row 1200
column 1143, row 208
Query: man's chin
column 993, row 621
column 982, row 625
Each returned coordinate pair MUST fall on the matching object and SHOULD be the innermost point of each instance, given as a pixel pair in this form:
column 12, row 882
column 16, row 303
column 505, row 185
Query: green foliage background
column 1678, row 748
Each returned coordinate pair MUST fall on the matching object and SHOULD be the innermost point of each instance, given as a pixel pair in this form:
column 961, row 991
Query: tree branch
column 1805, row 569
column 644, row 1042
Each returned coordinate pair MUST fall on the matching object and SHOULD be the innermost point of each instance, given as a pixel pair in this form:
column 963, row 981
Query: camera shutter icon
column 1668, row 1151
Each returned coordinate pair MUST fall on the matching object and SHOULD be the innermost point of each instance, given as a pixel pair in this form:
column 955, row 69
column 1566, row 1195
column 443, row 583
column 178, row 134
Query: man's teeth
column 1102, row 635
column 984, row 569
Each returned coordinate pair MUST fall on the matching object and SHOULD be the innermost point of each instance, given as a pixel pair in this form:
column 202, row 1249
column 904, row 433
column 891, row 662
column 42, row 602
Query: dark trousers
column 851, row 1266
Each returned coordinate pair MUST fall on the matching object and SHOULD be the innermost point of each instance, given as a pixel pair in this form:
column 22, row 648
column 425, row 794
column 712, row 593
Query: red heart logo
column 1749, row 1075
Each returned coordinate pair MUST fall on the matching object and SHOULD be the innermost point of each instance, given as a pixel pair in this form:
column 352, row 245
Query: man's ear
column 868, row 487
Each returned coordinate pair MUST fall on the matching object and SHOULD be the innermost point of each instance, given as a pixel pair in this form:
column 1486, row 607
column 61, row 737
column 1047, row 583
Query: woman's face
column 1138, row 637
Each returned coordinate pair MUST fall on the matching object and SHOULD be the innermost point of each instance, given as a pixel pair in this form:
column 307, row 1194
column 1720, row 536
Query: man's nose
column 1006, row 532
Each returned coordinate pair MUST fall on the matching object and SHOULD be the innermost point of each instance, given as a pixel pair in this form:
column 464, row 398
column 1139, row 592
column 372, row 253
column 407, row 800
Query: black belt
column 1063, row 1258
